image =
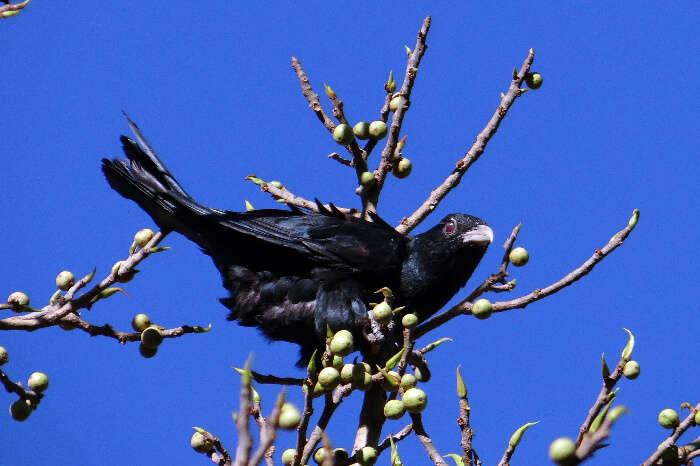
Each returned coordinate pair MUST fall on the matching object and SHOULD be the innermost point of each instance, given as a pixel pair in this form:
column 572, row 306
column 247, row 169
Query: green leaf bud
column 288, row 455
column 394, row 103
column 482, row 309
column 142, row 237
column 415, row 400
column 329, row 377
column 402, row 168
column 4, row 355
column 329, row 91
column 631, row 370
column 377, row 130
column 409, row 320
column 562, row 450
column 634, row 218
column 342, row 134
column 604, row 367
column 140, row 322
column 391, row 380
column 518, row 434
column 391, row 363
column 342, row 343
column 394, row 409
column 533, row 80
column 408, row 381
column 519, row 256
column 457, row 459
column 367, row 456
column 382, row 313
column 629, row 347
column 616, row 412
column 289, row 417
column 435, row 344
column 276, row 184
column 38, row 381
column 20, row 410
column 361, row 130
column 200, row 444
column 697, row 418
column 461, row 386
column 147, row 352
column 668, row 418
column 409, row 52
column 367, row 179
column 65, row 280
column 151, row 337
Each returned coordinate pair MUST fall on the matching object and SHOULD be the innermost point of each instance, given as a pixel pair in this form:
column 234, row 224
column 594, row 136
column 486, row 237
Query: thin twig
column 474, row 152
column 18, row 388
column 688, row 422
column 268, row 433
column 245, row 440
column 425, row 439
column 397, row 437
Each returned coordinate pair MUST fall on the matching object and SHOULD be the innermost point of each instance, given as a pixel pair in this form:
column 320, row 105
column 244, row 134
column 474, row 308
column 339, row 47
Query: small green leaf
column 461, row 386
column 456, row 457
column 391, row 363
column 88, row 278
column 629, row 347
column 599, row 418
column 311, row 367
column 158, row 249
column 329, row 91
column 604, row 367
column 518, row 434
column 106, row 293
column 435, row 344
column 198, row 329
column 391, row 380
column 200, row 430
column 616, row 412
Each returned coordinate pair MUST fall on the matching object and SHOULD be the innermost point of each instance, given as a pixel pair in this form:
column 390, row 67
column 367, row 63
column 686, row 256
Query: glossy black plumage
column 292, row 273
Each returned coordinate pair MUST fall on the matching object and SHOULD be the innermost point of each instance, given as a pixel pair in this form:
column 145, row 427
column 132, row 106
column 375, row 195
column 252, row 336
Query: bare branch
column 425, row 439
column 688, row 422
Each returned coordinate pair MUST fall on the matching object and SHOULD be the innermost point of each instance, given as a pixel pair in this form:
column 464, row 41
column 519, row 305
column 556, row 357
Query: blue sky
column 613, row 128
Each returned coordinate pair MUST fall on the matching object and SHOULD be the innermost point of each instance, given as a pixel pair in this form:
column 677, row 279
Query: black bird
column 291, row 273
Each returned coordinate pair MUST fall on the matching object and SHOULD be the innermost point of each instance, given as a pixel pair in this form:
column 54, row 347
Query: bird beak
column 482, row 235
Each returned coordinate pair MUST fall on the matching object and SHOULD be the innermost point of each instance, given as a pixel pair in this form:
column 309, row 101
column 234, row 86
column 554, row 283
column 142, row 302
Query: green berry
column 631, row 370
column 4, row 355
column 147, row 352
column 140, row 322
column 402, row 168
column 288, row 455
column 533, row 80
column 382, row 313
column 367, row 179
column 519, row 256
column 394, row 409
column 289, row 417
column 329, row 377
column 562, row 450
column 668, row 418
column 18, row 299
column 482, row 309
column 367, row 456
column 20, row 410
column 377, row 129
column 343, row 134
column 142, row 237
column 342, row 343
column 361, row 130
column 151, row 337
column 320, row 455
column 65, row 280
column 409, row 320
column 200, row 444
column 38, row 381
column 415, row 400
column 408, row 381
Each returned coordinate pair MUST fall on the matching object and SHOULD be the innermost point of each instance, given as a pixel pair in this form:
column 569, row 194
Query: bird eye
column 449, row 227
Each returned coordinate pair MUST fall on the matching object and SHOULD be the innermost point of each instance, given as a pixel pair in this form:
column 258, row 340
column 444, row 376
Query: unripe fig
column 289, row 417
column 402, row 168
column 668, row 418
column 4, row 355
column 394, row 409
column 329, row 377
column 367, row 179
column 422, row 374
column 320, row 455
column 415, row 400
column 361, row 130
column 151, row 337
column 382, row 313
column 142, row 237
column 343, row 134
column 288, row 455
column 65, row 280
column 341, row 343
column 394, row 103
column 367, row 456
column 533, row 80
column 276, row 184
column 408, row 381
column 562, row 450
column 319, row 390
column 18, row 298
column 140, row 322
column 38, row 381
column 631, row 370
column 147, row 352
column 337, row 362
column 393, row 384
column 377, row 129
column 409, row 320
column 697, row 418
column 200, row 444
column 482, row 309
column 20, row 410
column 519, row 256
